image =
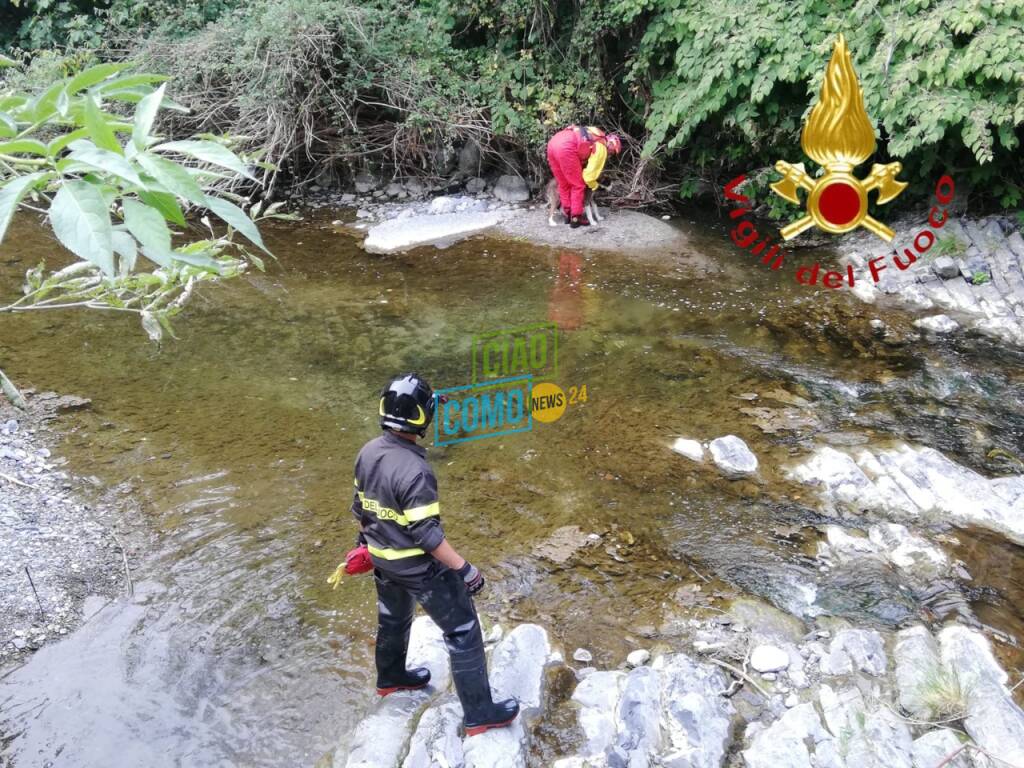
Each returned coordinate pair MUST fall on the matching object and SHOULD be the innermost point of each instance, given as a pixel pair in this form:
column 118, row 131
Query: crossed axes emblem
column 838, row 201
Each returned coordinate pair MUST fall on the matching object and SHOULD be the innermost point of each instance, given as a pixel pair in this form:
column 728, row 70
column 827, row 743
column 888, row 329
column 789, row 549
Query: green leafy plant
column 980, row 278
column 83, row 153
column 730, row 84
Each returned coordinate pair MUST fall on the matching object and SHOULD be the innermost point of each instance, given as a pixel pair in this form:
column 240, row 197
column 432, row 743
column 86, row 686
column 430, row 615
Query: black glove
column 472, row 576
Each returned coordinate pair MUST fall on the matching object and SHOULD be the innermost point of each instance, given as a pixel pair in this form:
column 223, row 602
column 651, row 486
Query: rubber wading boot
column 579, row 221
column 403, row 680
column 480, row 712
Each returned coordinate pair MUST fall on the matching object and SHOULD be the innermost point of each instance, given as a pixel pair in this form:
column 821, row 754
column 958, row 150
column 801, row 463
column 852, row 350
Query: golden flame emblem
column 838, row 135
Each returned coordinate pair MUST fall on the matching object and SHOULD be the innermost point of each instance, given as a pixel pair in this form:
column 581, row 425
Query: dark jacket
column 395, row 501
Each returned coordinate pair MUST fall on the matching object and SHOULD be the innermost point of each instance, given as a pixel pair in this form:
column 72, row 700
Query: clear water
column 234, row 446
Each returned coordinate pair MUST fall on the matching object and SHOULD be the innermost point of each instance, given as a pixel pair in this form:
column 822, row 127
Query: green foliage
column 83, row 151
column 732, row 83
column 980, row 278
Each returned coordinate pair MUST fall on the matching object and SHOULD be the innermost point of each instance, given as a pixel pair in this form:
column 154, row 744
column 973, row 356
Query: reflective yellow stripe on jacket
column 394, row 554
column 412, row 515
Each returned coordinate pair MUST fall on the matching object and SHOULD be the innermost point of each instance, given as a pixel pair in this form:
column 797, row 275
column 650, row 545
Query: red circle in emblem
column 839, row 203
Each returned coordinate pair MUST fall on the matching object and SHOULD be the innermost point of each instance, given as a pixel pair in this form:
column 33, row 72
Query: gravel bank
column 68, row 547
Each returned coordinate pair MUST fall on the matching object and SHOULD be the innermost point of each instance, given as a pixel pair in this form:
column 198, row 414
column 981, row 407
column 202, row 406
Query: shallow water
column 236, row 444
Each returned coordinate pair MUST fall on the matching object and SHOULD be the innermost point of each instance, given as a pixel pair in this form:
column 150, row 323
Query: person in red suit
column 568, row 150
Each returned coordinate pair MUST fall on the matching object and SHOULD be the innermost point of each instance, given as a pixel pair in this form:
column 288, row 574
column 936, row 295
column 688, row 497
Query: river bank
column 63, row 557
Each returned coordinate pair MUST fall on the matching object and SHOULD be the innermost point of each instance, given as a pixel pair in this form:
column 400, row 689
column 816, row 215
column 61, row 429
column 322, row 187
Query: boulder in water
column 400, row 235
column 732, row 456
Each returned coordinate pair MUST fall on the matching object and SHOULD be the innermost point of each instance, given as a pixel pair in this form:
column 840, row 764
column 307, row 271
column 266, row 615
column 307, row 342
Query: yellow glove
column 335, row 578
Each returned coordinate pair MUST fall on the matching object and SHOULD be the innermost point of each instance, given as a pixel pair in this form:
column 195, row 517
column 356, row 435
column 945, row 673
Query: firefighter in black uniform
column 396, row 505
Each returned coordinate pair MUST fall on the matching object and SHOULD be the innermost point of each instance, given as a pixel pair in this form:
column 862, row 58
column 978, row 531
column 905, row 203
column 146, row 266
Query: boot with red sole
column 411, row 680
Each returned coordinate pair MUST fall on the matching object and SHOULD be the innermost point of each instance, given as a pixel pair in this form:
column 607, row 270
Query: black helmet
column 407, row 405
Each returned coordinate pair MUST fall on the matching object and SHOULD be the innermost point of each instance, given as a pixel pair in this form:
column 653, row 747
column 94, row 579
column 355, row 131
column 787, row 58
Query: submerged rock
column 732, row 456
column 400, row 235
column 691, row 449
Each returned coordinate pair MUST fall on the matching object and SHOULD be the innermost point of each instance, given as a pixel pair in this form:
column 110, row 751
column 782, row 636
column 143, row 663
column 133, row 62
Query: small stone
column 582, row 654
column 945, row 268
column 791, row 701
column 771, row 677
column 937, row 324
column 732, row 456
column 666, row 217
column 638, row 658
column 769, row 658
column 10, row 427
column 584, row 672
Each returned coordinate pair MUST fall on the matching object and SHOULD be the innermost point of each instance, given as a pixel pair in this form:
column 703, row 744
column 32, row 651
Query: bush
column 731, row 84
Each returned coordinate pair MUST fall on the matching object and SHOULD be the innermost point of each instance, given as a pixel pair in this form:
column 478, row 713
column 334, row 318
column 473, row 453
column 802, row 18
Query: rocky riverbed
column 62, row 558
column 971, row 278
column 753, row 687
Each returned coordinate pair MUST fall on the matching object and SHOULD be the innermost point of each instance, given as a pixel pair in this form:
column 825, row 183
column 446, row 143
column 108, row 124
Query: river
column 235, row 445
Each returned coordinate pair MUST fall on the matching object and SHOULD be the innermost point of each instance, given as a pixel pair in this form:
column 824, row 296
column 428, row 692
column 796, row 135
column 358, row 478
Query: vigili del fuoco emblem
column 838, row 136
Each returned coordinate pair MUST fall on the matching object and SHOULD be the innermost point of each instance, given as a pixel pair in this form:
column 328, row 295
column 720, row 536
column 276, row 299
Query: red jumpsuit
column 567, row 151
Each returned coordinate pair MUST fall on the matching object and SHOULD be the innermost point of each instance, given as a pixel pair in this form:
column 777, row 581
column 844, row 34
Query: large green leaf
column 8, row 125
column 209, row 152
column 128, row 81
column 237, row 218
column 166, row 203
column 81, row 221
column 99, row 128
column 103, row 160
column 149, row 228
column 11, row 194
column 57, row 145
column 91, row 76
column 145, row 115
column 23, row 146
column 172, row 177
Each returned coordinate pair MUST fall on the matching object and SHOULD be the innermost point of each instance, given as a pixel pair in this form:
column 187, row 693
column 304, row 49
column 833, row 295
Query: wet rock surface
column 974, row 271
column 914, row 483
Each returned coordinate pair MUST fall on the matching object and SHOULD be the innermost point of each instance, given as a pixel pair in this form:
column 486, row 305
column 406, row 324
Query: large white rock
column 437, row 742
column 691, row 449
column 911, row 481
column 401, row 235
column 696, row 720
column 867, row 735
column 380, row 738
column 768, row 658
column 993, row 719
column 790, row 741
column 598, row 696
column 517, row 670
column 638, row 719
column 732, row 456
column 443, row 204
column 855, row 650
column 917, row 663
column 932, row 748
